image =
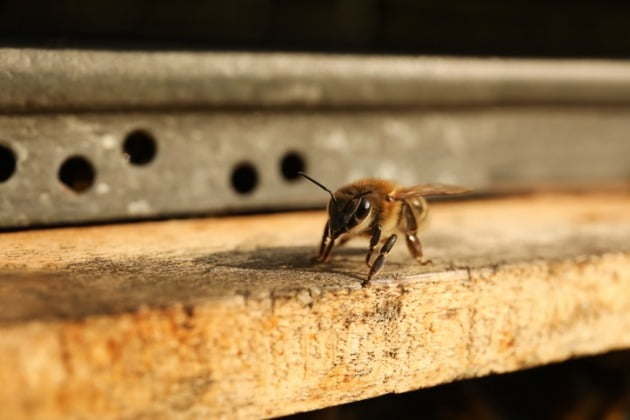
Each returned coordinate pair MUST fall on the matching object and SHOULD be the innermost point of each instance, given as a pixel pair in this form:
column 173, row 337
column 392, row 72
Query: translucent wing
column 427, row 189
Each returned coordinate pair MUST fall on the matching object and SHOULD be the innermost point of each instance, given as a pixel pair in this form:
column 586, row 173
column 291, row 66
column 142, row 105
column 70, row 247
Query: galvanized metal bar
column 214, row 162
column 33, row 80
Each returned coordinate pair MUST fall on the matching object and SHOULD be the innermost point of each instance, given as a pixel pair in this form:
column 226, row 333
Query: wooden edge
column 225, row 318
column 273, row 355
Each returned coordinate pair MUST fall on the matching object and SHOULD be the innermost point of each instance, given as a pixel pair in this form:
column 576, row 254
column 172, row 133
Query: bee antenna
column 320, row 186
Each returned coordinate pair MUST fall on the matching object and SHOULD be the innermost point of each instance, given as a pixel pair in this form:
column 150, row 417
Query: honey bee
column 380, row 210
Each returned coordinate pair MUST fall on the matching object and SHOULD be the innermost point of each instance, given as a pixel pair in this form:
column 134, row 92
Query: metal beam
column 197, row 166
column 33, row 80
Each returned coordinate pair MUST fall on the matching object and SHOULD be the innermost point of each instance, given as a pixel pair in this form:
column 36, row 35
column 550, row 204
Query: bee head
column 344, row 213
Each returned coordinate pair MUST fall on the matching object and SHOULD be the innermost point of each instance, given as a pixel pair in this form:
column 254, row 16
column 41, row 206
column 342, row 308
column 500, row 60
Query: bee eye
column 362, row 209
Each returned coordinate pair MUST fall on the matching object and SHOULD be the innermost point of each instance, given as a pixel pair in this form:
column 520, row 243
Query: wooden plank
column 227, row 317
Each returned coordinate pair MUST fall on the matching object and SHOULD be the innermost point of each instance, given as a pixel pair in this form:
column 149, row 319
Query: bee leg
column 411, row 235
column 379, row 262
column 327, row 251
column 344, row 240
column 415, row 248
column 374, row 240
column 326, row 246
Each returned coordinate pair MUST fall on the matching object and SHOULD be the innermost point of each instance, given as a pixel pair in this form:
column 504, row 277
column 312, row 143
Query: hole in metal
column 140, row 147
column 244, row 178
column 77, row 173
column 7, row 163
column 291, row 165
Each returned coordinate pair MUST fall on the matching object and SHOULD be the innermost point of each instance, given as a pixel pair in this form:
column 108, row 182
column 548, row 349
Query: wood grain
column 227, row 317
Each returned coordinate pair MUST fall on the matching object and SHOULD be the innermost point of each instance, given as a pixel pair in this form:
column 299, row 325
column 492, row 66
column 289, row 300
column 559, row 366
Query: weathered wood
column 227, row 317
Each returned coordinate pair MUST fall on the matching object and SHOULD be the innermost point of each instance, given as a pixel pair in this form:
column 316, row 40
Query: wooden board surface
column 228, row 317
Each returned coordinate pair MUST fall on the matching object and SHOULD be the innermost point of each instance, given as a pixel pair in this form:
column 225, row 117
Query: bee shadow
column 346, row 261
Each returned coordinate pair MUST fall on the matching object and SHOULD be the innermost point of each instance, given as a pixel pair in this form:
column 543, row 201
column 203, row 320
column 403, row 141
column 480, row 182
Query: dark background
column 556, row 28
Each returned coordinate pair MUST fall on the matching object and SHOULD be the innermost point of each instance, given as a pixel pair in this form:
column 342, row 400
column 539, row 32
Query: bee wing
column 423, row 190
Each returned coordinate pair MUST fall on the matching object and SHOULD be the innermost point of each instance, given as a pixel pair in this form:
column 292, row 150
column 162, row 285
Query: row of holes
column 78, row 174
column 245, row 176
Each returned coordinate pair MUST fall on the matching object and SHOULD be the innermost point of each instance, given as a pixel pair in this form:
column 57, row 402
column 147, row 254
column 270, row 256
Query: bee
column 380, row 210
